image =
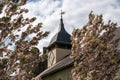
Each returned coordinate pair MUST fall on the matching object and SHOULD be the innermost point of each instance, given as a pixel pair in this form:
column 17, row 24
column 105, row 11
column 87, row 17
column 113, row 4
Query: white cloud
column 76, row 15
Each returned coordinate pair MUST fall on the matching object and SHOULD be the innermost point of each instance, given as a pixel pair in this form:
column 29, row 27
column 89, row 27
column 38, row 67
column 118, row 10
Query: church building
column 59, row 64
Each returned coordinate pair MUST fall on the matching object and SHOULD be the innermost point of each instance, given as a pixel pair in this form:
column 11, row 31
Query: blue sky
column 76, row 13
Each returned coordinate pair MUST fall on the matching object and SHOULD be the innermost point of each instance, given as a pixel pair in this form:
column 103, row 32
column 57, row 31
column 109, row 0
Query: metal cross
column 62, row 13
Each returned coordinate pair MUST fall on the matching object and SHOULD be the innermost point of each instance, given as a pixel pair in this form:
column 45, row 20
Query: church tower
column 59, row 46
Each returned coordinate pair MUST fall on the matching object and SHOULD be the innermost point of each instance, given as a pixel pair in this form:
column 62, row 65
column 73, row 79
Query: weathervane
column 62, row 13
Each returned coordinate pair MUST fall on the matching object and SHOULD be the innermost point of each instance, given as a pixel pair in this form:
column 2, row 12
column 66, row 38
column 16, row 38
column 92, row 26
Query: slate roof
column 62, row 36
column 58, row 66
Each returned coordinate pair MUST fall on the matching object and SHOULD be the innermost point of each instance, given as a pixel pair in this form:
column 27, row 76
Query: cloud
column 47, row 11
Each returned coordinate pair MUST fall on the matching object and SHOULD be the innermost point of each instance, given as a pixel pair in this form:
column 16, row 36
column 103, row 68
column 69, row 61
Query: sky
column 76, row 14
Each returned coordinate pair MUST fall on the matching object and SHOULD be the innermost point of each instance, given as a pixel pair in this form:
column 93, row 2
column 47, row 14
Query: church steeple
column 61, row 26
column 62, row 36
column 61, row 22
column 60, row 45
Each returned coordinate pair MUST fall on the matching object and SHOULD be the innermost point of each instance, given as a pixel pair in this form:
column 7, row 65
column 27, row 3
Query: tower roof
column 62, row 36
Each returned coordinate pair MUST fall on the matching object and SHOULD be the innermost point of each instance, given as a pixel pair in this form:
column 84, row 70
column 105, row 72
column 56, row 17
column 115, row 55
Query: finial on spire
column 62, row 13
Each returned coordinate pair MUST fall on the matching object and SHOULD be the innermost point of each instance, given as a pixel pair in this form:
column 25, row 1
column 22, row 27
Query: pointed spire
column 61, row 22
column 62, row 36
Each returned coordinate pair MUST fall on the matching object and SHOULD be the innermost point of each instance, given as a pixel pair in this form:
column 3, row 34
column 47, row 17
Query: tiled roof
column 60, row 65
